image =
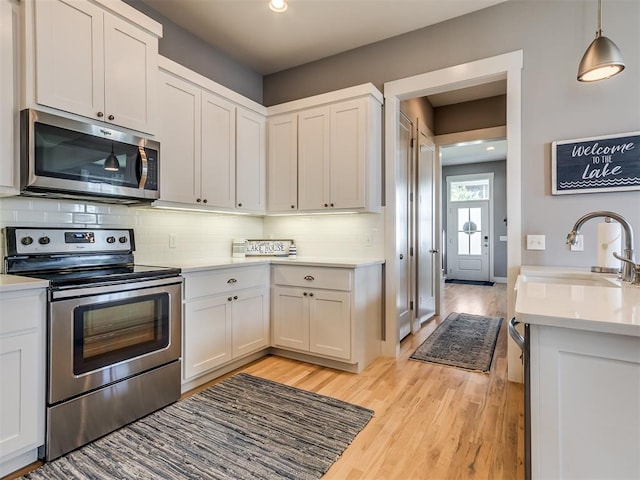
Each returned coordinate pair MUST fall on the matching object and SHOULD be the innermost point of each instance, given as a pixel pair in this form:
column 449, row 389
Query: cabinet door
column 290, row 318
column 330, row 323
column 19, row 395
column 250, row 321
column 313, row 159
column 9, row 11
column 218, row 151
column 131, row 69
column 207, row 335
column 70, row 56
column 282, row 164
column 348, row 154
column 179, row 130
column 250, row 161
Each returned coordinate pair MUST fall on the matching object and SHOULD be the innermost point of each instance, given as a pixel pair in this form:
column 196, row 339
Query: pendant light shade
column 111, row 163
column 602, row 59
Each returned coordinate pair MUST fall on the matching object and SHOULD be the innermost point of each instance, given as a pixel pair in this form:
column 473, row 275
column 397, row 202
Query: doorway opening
column 507, row 66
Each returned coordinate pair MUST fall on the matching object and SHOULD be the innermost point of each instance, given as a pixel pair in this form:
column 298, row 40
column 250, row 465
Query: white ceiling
column 473, row 152
column 268, row 42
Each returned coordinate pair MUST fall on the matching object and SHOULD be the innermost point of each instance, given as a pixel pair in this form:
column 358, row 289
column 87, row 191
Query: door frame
column 509, row 66
column 448, row 203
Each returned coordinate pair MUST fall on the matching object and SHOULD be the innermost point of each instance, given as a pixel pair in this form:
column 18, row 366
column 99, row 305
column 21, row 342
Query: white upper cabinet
column 92, row 61
column 213, row 144
column 334, row 142
column 282, row 167
column 9, row 14
column 250, row 161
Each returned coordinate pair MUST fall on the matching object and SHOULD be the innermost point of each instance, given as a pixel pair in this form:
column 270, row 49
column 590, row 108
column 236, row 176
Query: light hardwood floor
column 431, row 422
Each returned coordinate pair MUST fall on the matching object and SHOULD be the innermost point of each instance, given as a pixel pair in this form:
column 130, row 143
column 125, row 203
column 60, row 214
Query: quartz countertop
column 578, row 299
column 12, row 283
column 190, row 266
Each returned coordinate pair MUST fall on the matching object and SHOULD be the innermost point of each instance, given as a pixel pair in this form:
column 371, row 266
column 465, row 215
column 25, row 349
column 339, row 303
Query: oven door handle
column 116, row 287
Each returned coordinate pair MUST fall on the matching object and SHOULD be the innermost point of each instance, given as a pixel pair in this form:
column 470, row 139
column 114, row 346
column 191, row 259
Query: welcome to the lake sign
column 599, row 164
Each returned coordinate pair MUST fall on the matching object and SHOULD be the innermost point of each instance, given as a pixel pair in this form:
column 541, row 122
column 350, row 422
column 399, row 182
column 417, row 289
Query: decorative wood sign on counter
column 600, row 164
column 277, row 248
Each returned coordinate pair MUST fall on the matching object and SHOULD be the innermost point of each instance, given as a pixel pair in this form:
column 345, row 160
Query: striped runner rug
column 244, row 427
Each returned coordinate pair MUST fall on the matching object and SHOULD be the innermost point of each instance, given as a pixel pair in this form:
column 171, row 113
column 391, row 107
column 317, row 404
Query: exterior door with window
column 468, row 227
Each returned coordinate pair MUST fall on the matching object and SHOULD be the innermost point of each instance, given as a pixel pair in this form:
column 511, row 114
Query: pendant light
column 602, row 58
column 111, row 163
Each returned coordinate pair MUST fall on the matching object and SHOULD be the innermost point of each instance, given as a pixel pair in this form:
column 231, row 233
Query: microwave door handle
column 145, row 167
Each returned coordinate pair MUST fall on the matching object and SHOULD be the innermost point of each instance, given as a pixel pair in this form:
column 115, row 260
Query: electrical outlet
column 579, row 245
column 535, row 242
column 172, row 240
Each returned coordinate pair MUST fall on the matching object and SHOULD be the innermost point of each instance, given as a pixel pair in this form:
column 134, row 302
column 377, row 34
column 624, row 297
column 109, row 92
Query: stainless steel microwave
column 61, row 157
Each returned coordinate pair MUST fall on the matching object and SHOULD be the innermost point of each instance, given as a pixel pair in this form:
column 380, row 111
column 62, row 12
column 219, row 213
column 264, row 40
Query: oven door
column 101, row 335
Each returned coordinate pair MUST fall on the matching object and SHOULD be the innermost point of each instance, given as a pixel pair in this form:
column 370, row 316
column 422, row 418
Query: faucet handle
column 635, row 279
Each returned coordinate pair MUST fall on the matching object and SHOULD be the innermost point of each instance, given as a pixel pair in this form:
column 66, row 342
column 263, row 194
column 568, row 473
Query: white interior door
column 425, row 228
column 468, row 240
column 403, row 223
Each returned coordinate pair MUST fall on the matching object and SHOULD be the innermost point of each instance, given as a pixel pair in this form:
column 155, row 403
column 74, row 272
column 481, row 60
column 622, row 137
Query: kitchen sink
column 562, row 276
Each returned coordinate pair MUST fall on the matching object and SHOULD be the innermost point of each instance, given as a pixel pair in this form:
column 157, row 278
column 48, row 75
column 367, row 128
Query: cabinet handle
column 198, row 200
column 111, row 117
column 100, row 114
column 235, row 297
column 309, row 277
column 232, row 280
column 229, row 299
column 311, row 294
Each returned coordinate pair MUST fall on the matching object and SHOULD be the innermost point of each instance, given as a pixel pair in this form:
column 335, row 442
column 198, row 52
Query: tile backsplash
column 199, row 235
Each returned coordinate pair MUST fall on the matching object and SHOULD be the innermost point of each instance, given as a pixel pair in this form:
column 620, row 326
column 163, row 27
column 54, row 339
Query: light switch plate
column 535, row 242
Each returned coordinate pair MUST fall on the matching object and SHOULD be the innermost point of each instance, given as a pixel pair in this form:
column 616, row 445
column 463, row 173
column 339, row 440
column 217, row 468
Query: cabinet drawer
column 214, row 282
column 313, row 277
column 19, row 313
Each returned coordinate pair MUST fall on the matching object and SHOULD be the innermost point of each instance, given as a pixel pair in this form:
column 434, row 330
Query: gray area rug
column 462, row 340
column 244, row 427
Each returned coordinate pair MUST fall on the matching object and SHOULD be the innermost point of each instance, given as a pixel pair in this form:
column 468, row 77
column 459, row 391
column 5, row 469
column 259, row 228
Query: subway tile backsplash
column 202, row 235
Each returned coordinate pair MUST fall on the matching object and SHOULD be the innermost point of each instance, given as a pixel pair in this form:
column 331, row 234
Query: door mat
column 243, row 427
column 463, row 340
column 470, row 282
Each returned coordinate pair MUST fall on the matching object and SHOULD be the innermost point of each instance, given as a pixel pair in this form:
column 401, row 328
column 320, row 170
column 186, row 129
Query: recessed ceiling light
column 278, row 5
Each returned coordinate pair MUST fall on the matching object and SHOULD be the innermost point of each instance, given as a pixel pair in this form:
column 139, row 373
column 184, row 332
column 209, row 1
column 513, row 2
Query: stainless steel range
column 113, row 330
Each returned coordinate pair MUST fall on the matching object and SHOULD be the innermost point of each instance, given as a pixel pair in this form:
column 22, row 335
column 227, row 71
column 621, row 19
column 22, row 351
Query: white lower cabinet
column 585, row 404
column 329, row 313
column 22, row 377
column 226, row 317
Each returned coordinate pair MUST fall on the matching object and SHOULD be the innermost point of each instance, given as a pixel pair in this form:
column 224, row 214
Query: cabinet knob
column 198, row 200
column 239, row 204
column 304, row 293
column 326, row 205
column 204, row 201
column 293, row 206
column 401, row 256
column 111, row 117
column 235, row 297
column 232, row 280
column 311, row 294
column 331, row 204
column 229, row 299
column 100, row 114
column 309, row 277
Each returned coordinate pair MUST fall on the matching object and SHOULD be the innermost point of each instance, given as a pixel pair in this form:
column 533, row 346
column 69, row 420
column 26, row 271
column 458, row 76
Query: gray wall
column 462, row 117
column 553, row 36
column 186, row 49
column 499, row 170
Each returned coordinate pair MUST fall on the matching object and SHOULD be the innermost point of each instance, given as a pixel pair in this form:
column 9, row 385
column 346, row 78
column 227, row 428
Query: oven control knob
column 123, row 239
column 44, row 240
column 26, row 240
column 111, row 239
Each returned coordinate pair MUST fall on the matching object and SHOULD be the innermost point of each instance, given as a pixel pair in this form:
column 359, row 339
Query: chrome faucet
column 627, row 268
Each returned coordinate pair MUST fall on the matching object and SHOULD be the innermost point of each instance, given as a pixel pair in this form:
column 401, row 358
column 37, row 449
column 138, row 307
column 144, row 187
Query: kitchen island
column 583, row 391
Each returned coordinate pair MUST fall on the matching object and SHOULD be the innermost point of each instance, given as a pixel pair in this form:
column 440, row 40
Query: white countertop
column 11, row 283
column 584, row 302
column 190, row 266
